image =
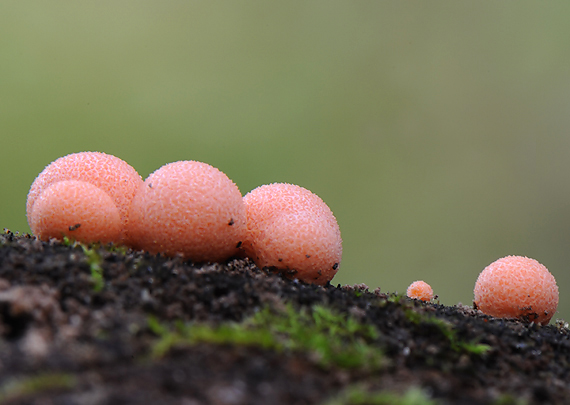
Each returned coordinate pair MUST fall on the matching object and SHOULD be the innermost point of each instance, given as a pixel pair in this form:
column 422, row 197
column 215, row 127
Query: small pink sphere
column 107, row 172
column 78, row 210
column 420, row 290
column 517, row 287
column 189, row 208
column 292, row 230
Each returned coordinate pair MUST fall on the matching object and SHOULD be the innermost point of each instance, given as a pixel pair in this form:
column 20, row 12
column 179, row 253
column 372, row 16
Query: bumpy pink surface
column 78, row 210
column 517, row 287
column 420, row 290
column 292, row 230
column 189, row 208
column 107, row 172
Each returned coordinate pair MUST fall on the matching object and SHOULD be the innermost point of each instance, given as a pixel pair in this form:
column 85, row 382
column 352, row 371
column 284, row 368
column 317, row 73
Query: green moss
column 507, row 399
column 94, row 260
column 456, row 344
column 447, row 330
column 359, row 395
column 396, row 298
column 17, row 388
column 188, row 334
column 120, row 249
column 331, row 338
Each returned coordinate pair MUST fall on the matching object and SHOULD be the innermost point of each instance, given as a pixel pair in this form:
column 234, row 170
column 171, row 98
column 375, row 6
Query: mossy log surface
column 105, row 325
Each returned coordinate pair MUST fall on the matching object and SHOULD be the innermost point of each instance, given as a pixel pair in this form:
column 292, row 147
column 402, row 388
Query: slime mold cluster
column 188, row 208
column 517, row 287
column 420, row 290
column 185, row 208
column 194, row 210
column 289, row 228
column 85, row 196
column 514, row 287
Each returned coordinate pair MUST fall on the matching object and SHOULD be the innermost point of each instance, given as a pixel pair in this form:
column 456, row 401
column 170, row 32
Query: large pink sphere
column 517, row 287
column 107, row 172
column 292, row 230
column 189, row 208
column 78, row 210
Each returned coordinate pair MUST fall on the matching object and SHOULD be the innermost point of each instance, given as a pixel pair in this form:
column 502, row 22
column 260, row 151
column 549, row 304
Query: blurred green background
column 436, row 131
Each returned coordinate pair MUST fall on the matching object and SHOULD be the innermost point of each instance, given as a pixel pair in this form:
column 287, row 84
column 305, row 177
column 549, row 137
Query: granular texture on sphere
column 420, row 290
column 517, row 287
column 292, row 230
column 189, row 208
column 107, row 172
column 78, row 210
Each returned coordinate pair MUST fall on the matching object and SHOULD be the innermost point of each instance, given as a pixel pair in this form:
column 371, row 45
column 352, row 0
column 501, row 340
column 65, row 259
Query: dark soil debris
column 64, row 342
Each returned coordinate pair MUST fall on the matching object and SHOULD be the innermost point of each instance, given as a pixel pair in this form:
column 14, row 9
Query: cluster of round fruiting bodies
column 192, row 209
column 511, row 287
column 185, row 208
column 517, row 287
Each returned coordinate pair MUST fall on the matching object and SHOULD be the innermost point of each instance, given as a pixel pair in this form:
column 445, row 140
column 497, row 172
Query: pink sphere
column 189, row 208
column 293, row 231
column 420, row 290
column 107, row 172
column 517, row 287
column 78, row 210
